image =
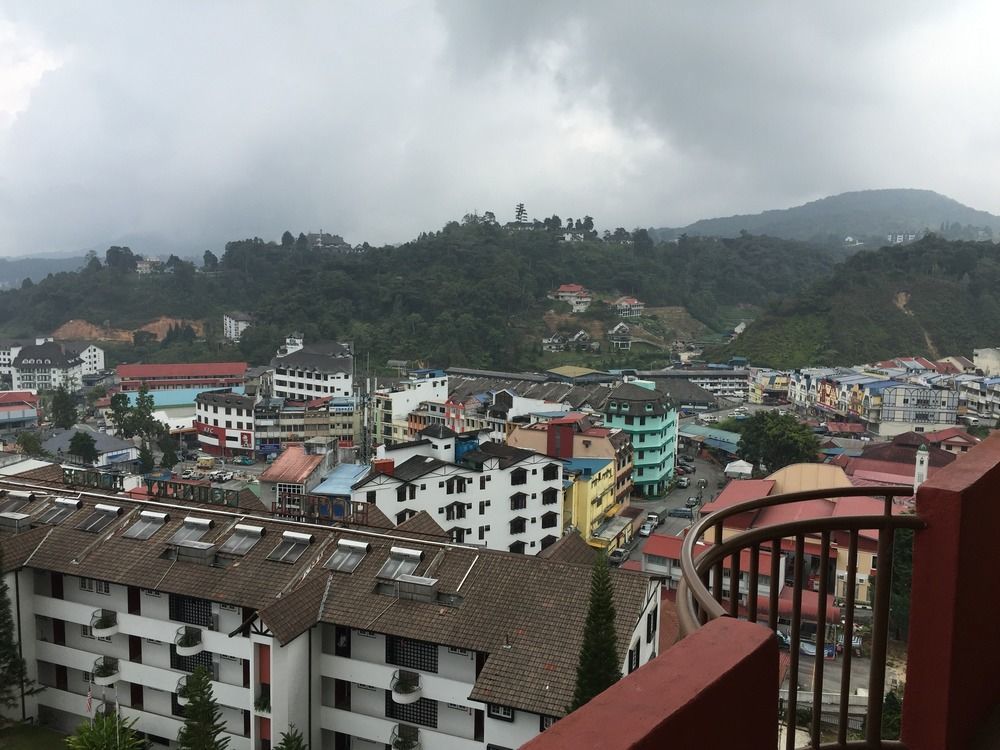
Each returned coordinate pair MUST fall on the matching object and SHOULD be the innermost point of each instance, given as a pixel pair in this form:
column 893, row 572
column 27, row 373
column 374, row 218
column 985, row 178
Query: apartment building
column 650, row 420
column 234, row 324
column 392, row 404
column 575, row 435
column 46, row 366
column 496, row 412
column 488, row 494
column 224, row 422
column 303, row 371
column 728, row 383
column 181, row 375
column 359, row 637
column 767, row 386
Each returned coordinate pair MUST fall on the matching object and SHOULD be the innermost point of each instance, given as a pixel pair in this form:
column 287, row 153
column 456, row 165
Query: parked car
column 683, row 483
column 655, row 518
column 692, row 502
column 646, row 529
column 680, row 513
column 680, row 470
column 243, row 461
column 689, row 468
column 618, row 556
column 187, row 474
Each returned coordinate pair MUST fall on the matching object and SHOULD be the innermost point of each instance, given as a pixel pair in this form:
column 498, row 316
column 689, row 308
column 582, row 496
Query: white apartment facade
column 46, row 366
column 496, row 496
column 224, row 422
column 303, row 372
column 283, row 616
column 234, row 324
column 392, row 405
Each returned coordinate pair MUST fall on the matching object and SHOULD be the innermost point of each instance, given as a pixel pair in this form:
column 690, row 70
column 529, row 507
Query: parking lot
column 244, row 473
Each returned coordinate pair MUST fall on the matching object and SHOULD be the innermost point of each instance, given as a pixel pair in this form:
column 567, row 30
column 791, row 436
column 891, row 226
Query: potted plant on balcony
column 263, row 704
column 105, row 671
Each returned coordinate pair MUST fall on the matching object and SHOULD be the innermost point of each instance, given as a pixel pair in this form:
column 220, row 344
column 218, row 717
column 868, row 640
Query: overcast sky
column 193, row 122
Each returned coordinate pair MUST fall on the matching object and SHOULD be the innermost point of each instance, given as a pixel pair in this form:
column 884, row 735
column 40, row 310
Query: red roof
column 18, row 397
column 950, row 433
column 184, row 370
column 669, row 547
column 571, row 288
column 739, row 491
column 810, row 606
column 631, row 565
column 292, row 466
column 789, row 512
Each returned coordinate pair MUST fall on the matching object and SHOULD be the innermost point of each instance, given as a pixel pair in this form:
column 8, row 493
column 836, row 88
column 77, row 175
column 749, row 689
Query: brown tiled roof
column 525, row 612
column 50, row 473
column 423, row 523
column 17, row 548
column 570, row 548
column 373, row 519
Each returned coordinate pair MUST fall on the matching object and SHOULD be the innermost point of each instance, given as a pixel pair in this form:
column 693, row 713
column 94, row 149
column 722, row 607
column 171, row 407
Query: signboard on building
column 98, row 480
column 200, row 493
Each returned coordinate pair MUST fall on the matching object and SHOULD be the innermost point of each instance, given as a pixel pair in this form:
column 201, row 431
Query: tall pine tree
column 203, row 723
column 63, row 409
column 598, row 668
column 292, row 740
column 14, row 682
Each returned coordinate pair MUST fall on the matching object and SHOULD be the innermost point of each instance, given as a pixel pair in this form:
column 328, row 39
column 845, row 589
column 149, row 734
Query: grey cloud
column 197, row 123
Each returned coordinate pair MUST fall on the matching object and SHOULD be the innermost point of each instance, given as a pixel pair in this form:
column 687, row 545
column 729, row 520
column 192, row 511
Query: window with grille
column 518, row 501
column 550, row 472
column 517, row 525
column 651, row 625
column 549, row 520
column 517, row 547
column 411, row 654
column 424, row 712
column 633, row 658
column 550, row 496
column 547, row 540
column 519, row 476
column 505, row 713
column 191, row 610
column 190, row 663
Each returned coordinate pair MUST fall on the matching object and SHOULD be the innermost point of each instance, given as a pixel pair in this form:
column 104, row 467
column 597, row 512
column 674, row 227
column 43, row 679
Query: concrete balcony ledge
column 188, row 641
column 713, row 689
column 405, row 687
column 104, row 623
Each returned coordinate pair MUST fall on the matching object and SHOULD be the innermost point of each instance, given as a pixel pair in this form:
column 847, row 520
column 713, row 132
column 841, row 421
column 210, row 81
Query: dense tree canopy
column 775, row 441
column 84, row 447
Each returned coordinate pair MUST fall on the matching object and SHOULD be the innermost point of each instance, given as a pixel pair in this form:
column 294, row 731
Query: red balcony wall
column 708, row 691
column 954, row 649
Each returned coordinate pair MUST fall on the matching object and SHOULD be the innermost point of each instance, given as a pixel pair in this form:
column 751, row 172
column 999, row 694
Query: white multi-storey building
column 303, row 372
column 234, row 324
column 392, row 405
column 45, row 366
column 358, row 637
column 493, row 495
column 224, row 422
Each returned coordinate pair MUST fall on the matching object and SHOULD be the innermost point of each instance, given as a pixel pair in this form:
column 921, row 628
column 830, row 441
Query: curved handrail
column 691, row 590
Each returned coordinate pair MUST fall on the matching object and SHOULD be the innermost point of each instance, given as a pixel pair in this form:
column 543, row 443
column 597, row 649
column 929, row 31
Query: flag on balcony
column 90, row 697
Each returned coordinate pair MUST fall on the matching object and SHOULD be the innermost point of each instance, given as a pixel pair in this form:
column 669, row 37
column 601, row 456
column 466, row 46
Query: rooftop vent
column 242, row 540
column 348, row 556
column 15, row 521
column 402, row 561
column 148, row 524
column 291, row 547
column 418, row 588
column 197, row 552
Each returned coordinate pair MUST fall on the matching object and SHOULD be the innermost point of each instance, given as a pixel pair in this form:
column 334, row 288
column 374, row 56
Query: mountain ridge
column 868, row 216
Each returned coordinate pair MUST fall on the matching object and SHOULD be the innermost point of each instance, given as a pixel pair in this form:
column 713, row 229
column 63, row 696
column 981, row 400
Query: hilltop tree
column 14, row 681
column 287, row 239
column 108, row 731
column 63, row 408
column 777, row 441
column 210, row 261
column 292, row 740
column 203, row 725
column 598, row 668
column 84, row 447
column 120, row 259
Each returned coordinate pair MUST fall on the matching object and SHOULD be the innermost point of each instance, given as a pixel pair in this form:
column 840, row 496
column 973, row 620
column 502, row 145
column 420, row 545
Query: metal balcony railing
column 700, row 595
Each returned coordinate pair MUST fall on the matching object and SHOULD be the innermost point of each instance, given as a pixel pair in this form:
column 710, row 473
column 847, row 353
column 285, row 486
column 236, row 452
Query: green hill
column 473, row 293
column 933, row 297
column 866, row 215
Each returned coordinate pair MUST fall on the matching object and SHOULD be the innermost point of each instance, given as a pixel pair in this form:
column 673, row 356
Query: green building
column 650, row 419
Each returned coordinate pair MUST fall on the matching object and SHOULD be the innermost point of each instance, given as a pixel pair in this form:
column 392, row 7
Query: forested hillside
column 931, row 298
column 472, row 293
column 869, row 215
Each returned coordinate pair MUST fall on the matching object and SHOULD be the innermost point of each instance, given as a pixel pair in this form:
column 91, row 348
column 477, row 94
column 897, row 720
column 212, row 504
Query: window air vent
column 197, row 552
column 15, row 521
column 418, row 588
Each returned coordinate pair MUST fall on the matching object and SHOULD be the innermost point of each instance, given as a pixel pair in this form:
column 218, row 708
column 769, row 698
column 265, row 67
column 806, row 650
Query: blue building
column 650, row 419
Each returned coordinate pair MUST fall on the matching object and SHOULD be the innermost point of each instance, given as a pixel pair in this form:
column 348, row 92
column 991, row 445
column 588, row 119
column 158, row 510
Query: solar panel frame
column 190, row 532
column 239, row 543
column 288, row 551
column 97, row 521
column 145, row 527
column 346, row 559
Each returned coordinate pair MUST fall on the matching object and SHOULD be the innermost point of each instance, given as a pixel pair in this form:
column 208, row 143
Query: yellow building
column 590, row 504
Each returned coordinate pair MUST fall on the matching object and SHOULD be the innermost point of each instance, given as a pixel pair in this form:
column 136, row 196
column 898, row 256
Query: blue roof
column 585, row 465
column 340, row 480
column 175, row 397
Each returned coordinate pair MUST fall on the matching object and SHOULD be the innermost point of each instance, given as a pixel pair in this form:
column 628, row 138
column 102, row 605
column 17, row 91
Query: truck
column 206, row 462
